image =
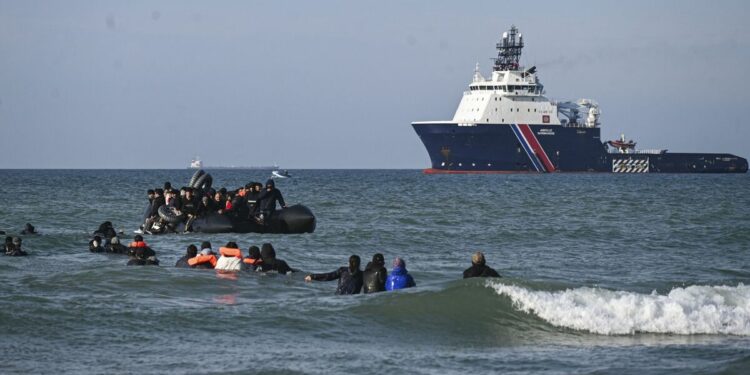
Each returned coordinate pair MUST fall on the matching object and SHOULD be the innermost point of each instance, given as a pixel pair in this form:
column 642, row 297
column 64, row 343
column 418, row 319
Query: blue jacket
column 399, row 279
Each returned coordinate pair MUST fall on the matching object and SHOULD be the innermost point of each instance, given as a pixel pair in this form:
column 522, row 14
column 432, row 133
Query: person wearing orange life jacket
column 205, row 260
column 253, row 260
column 138, row 243
column 230, row 259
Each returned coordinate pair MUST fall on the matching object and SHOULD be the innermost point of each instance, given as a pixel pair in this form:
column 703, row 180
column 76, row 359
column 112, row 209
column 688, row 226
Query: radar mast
column 509, row 50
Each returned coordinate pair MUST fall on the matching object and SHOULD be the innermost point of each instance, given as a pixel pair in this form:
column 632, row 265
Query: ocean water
column 627, row 274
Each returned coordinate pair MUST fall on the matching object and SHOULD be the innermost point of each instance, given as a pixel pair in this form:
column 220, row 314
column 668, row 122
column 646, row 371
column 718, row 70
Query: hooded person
column 253, row 259
column 115, row 247
column 230, row 259
column 479, row 268
column 15, row 249
column 375, row 275
column 95, row 245
column 349, row 277
column 191, row 252
column 399, row 277
column 270, row 263
column 106, row 230
column 267, row 199
column 28, row 229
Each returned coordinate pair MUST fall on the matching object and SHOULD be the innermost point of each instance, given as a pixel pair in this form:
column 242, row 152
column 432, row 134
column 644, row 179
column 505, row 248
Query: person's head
column 138, row 238
column 398, row 262
column 205, row 245
column 378, row 259
column 230, row 195
column 183, row 191
column 248, row 186
column 231, row 245
column 270, row 184
column 206, row 252
column 217, row 196
column 115, row 240
column 477, row 258
column 17, row 241
column 28, row 228
column 8, row 240
column 223, row 191
column 97, row 241
column 267, row 252
column 192, row 251
column 158, row 193
column 167, row 186
column 150, row 193
column 354, row 263
column 253, row 252
column 257, row 186
column 189, row 193
column 204, row 200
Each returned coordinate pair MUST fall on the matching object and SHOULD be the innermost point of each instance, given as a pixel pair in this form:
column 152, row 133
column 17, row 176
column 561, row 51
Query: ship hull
column 537, row 148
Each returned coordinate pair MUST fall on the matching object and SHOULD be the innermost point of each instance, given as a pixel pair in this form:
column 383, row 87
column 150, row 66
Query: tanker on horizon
column 506, row 124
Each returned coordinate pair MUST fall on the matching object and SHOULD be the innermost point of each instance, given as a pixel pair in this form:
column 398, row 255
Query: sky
column 336, row 84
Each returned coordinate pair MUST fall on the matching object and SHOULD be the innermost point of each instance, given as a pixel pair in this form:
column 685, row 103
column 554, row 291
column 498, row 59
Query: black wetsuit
column 374, row 278
column 349, row 283
column 117, row 249
column 277, row 265
column 147, row 251
column 480, row 270
column 267, row 201
column 189, row 207
column 183, row 262
column 106, row 231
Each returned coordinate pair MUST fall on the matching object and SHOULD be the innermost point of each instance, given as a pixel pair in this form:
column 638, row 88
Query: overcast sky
column 335, row 84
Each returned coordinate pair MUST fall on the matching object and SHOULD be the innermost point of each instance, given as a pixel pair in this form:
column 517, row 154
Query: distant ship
column 505, row 123
column 196, row 163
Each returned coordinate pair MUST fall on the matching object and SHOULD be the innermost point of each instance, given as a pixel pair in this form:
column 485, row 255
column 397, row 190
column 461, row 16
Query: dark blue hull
column 497, row 148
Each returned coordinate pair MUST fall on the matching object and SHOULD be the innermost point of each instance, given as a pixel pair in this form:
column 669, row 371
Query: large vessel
column 505, row 123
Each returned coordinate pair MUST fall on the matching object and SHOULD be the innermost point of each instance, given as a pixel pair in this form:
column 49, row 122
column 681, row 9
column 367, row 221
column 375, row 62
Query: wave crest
column 690, row 310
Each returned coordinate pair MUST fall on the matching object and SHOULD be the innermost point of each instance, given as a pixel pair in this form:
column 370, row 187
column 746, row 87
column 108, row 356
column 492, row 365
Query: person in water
column 189, row 208
column 8, row 244
column 350, row 278
column 192, row 252
column 205, row 260
column 267, row 201
column 270, row 263
column 95, row 245
column 138, row 243
column 253, row 259
column 399, row 277
column 375, row 275
column 139, row 258
column 15, row 248
column 479, row 268
column 28, row 229
column 230, row 259
column 106, row 230
column 115, row 247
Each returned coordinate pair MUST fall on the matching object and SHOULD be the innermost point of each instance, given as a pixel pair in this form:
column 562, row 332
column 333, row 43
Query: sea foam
column 689, row 310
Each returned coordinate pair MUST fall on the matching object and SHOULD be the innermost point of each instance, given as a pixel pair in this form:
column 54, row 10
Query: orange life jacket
column 229, row 252
column 252, row 262
column 138, row 244
column 200, row 259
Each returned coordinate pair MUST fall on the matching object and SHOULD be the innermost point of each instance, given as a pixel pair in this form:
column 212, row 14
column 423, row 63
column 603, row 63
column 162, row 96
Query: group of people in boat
column 250, row 202
column 230, row 259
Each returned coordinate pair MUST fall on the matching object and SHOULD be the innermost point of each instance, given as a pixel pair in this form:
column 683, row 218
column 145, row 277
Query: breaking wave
column 690, row 310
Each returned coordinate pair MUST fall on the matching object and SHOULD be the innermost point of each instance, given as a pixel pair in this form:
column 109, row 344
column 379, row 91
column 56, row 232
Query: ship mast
column 509, row 50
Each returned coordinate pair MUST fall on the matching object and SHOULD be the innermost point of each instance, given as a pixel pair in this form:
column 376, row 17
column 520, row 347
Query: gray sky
column 335, row 84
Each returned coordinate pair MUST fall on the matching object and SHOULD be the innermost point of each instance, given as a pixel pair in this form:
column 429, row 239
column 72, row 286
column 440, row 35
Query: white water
column 690, row 310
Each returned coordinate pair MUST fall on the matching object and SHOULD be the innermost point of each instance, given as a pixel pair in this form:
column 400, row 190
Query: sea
column 601, row 274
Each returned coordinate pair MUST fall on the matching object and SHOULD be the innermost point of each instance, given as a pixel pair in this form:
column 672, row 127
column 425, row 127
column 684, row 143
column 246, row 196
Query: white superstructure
column 514, row 95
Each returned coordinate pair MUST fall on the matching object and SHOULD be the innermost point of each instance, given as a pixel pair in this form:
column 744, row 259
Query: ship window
column 527, row 109
column 510, row 88
column 472, row 88
column 534, row 109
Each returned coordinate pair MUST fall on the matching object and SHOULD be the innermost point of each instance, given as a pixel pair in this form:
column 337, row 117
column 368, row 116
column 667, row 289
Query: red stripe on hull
column 534, row 143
